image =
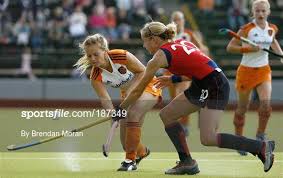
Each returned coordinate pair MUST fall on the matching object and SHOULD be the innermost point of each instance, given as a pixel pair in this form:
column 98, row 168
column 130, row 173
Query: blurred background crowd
column 30, row 29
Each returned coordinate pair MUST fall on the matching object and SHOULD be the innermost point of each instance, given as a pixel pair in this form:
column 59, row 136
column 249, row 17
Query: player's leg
column 217, row 99
column 184, row 120
column 141, row 150
column 170, row 114
column 123, row 133
column 209, row 121
column 208, row 125
column 264, row 111
column 240, row 113
column 242, row 107
column 133, row 125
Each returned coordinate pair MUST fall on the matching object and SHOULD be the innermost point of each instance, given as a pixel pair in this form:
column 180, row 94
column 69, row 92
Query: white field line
column 70, row 162
column 119, row 159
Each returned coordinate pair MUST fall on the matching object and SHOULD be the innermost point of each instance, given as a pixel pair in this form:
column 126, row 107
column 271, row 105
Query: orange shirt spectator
column 206, row 5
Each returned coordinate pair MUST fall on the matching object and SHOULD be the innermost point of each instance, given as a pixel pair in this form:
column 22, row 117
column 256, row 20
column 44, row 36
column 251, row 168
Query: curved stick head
column 104, row 150
column 223, row 31
column 11, row 147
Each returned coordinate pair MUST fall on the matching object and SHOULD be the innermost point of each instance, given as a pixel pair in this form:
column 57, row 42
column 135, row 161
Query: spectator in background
column 41, row 18
column 38, row 28
column 123, row 25
column 237, row 13
column 67, row 6
column 30, row 7
column 124, row 4
column 77, row 24
column 206, row 7
column 111, row 23
column 22, row 30
column 3, row 5
column 5, row 27
column 56, row 27
column 26, row 68
column 138, row 17
column 97, row 21
column 154, row 10
column 104, row 21
column 36, row 39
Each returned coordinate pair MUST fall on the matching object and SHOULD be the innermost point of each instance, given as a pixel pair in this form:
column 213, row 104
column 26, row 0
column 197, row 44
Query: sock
column 133, row 135
column 263, row 117
column 141, row 150
column 239, row 122
column 184, row 120
column 178, row 138
column 239, row 143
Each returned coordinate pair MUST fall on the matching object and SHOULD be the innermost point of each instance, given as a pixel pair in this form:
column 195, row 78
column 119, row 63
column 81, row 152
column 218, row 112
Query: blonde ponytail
column 159, row 29
column 171, row 30
column 82, row 64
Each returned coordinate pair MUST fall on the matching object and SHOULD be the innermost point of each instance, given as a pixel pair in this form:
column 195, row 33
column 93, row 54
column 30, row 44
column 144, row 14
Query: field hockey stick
column 106, row 146
column 224, row 31
column 38, row 142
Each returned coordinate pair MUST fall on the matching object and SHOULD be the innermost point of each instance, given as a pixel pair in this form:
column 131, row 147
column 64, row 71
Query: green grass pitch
column 44, row 161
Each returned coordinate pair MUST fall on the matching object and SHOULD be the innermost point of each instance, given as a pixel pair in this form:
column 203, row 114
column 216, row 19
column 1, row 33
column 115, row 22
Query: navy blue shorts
column 212, row 91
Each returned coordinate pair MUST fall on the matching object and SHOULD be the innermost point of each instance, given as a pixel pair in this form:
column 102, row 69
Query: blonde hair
column 165, row 32
column 260, row 1
column 83, row 63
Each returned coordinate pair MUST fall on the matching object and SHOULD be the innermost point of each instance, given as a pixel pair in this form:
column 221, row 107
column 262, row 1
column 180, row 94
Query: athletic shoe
column 128, row 165
column 261, row 137
column 242, row 153
column 184, row 168
column 138, row 159
column 266, row 155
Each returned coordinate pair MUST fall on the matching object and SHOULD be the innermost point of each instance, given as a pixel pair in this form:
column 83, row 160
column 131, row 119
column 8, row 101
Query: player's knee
column 264, row 112
column 241, row 110
column 133, row 115
column 208, row 139
column 207, row 142
column 239, row 120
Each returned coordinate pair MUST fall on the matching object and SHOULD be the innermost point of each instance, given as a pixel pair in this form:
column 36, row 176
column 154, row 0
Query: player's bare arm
column 102, row 93
column 165, row 81
column 158, row 61
column 276, row 47
column 235, row 45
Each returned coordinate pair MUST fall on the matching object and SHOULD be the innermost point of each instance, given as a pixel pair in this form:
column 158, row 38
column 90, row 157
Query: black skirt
column 212, row 91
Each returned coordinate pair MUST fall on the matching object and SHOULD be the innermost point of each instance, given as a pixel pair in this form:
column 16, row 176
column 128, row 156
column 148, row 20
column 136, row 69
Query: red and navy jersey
column 184, row 58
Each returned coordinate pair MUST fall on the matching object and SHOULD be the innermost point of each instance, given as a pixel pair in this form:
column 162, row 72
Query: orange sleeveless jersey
column 118, row 57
